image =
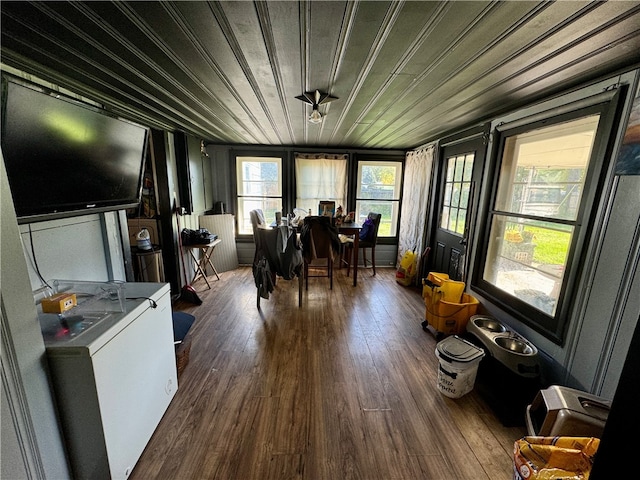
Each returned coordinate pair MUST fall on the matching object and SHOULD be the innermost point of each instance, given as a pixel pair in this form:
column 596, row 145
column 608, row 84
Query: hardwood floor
column 342, row 388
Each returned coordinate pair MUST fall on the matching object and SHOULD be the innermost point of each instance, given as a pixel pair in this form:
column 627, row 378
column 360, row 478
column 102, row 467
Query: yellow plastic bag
column 554, row 458
column 407, row 269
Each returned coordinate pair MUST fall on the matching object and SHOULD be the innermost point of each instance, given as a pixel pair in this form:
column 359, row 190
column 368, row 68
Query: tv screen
column 67, row 158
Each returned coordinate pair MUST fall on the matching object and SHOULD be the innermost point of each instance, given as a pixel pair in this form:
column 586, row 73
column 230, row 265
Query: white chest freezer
column 114, row 380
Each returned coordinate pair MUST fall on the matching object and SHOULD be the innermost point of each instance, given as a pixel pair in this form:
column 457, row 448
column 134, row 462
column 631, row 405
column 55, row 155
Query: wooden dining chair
column 369, row 242
column 257, row 221
column 320, row 246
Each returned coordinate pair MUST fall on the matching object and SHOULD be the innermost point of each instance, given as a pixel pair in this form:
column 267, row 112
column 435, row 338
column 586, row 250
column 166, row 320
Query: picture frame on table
column 326, row 208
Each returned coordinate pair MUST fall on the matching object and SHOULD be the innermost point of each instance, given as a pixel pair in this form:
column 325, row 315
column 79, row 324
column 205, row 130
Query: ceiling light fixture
column 316, row 116
column 315, row 99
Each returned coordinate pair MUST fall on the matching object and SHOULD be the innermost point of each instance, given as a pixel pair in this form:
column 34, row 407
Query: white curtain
column 415, row 199
column 320, row 176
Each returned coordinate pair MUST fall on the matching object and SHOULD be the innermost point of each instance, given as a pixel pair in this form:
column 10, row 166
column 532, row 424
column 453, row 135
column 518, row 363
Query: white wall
column 34, row 429
column 78, row 248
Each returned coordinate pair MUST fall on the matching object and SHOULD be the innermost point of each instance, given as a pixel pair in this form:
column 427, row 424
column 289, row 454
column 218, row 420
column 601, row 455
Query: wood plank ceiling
column 404, row 73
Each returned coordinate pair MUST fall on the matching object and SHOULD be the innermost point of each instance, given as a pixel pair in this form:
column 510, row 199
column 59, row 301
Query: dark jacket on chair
column 317, row 246
column 281, row 251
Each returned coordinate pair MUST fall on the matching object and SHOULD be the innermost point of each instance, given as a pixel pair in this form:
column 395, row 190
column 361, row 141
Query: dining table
column 348, row 229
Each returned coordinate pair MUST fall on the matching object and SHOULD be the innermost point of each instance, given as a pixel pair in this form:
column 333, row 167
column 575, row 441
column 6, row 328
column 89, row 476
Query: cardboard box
column 58, row 303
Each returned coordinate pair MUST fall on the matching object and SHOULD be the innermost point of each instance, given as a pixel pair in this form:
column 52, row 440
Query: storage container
column 92, row 296
column 563, row 411
column 459, row 360
column 447, row 308
column 182, row 355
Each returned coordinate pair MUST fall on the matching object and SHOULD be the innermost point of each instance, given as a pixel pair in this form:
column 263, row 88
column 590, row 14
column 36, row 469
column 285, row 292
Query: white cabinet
column 114, row 381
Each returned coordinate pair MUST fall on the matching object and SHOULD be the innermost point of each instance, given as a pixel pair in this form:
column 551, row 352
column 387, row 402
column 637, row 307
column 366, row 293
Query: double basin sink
column 508, row 347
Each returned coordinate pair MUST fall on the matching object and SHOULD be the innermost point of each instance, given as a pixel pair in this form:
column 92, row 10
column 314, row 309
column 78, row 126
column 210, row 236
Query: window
column 320, row 177
column 378, row 190
column 536, row 212
column 259, row 184
column 537, row 227
column 457, row 187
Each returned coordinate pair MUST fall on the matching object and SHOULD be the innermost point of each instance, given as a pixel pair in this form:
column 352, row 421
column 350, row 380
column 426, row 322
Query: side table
column 200, row 265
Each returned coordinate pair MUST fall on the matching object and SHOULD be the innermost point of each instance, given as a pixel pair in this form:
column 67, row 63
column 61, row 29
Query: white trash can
column 459, row 360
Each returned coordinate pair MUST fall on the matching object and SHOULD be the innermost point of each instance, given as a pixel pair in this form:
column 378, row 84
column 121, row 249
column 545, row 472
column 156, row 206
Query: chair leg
column 364, row 257
column 258, row 300
column 300, row 288
column 330, row 268
column 373, row 259
column 306, row 274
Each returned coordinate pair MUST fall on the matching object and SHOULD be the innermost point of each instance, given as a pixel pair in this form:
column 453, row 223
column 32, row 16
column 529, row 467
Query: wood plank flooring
column 342, row 388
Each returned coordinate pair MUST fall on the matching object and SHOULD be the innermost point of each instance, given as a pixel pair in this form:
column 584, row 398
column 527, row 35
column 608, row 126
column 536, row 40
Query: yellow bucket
column 448, row 308
column 451, row 289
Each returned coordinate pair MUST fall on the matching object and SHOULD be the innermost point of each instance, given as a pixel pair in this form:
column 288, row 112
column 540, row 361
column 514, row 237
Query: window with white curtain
column 320, row 177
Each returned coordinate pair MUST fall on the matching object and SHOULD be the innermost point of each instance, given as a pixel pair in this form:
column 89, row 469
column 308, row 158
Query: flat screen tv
column 66, row 158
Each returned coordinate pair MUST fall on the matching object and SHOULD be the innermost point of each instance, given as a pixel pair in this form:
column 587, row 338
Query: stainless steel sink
column 514, row 345
column 490, row 324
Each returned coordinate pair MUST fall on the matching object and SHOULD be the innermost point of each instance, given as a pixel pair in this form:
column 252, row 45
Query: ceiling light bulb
column 316, row 116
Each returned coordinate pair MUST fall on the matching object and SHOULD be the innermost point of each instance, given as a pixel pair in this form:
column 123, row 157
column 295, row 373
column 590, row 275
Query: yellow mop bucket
column 448, row 308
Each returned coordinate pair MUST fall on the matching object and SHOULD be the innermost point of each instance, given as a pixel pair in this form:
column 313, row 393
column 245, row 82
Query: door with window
column 459, row 176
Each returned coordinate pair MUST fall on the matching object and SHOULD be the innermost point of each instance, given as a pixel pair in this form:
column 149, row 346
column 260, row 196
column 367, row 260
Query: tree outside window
column 378, row 190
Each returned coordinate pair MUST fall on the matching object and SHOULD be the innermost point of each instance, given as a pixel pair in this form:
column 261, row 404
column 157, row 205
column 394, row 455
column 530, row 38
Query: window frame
column 554, row 327
column 355, row 199
column 445, row 197
column 238, row 195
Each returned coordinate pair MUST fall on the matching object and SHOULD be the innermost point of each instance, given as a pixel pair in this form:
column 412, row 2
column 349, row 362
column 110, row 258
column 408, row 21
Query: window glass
column 544, row 170
column 378, row 190
column 540, row 187
column 259, row 184
column 457, row 186
column 527, row 259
